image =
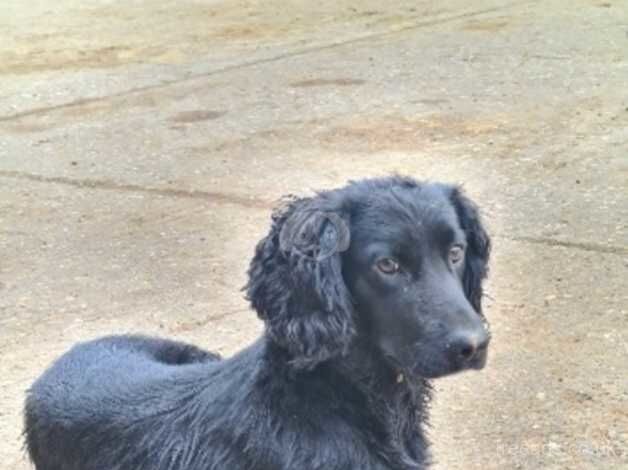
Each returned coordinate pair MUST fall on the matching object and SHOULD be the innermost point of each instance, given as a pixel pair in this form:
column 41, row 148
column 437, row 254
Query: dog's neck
column 398, row 402
column 372, row 374
column 395, row 404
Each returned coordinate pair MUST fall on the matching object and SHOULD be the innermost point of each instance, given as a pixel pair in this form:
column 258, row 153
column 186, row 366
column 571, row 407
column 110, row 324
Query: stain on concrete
column 486, row 26
column 431, row 101
column 316, row 82
column 396, row 133
column 81, row 109
column 197, row 115
column 29, row 59
column 26, row 128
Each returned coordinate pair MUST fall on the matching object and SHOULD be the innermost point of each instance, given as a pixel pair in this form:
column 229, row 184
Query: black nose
column 468, row 345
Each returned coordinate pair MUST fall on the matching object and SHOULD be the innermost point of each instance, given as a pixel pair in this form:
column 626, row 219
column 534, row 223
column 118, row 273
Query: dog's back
column 109, row 385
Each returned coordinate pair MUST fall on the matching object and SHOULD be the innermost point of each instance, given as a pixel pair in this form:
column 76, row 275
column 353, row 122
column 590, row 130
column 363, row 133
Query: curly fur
column 314, row 392
column 300, row 295
column 476, row 266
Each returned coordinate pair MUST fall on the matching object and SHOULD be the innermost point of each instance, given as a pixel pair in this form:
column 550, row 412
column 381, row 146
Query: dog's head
column 397, row 261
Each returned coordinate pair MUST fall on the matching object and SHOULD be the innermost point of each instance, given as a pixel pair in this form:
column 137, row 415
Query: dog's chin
column 479, row 362
column 435, row 372
column 439, row 365
column 442, row 368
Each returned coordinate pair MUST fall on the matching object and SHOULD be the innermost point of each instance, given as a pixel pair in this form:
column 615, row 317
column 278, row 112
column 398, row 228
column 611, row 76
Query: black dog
column 366, row 293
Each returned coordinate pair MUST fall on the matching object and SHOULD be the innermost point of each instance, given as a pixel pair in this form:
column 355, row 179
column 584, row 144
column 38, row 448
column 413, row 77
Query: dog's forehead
column 407, row 215
column 425, row 204
column 430, row 220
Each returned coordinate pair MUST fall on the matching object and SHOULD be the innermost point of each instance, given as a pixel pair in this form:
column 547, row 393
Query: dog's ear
column 296, row 284
column 478, row 248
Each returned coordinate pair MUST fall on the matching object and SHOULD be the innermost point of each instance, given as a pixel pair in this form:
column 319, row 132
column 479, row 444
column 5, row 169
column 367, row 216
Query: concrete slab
column 142, row 147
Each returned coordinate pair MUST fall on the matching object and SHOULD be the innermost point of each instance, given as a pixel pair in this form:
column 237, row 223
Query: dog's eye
column 387, row 265
column 456, row 254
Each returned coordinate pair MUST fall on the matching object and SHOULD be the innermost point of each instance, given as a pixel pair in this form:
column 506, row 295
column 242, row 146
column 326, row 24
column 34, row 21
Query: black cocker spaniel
column 366, row 292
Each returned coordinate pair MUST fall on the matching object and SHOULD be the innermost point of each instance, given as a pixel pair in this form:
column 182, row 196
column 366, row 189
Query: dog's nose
column 468, row 345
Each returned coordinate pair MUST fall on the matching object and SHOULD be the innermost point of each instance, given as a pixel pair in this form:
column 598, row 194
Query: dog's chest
column 368, row 451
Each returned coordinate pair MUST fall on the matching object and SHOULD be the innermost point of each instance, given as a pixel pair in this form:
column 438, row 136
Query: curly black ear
column 478, row 249
column 296, row 284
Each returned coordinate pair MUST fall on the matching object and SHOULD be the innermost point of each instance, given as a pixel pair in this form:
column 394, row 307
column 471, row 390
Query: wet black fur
column 313, row 393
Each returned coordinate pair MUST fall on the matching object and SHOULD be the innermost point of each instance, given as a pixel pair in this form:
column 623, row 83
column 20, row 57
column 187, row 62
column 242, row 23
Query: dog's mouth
column 440, row 365
column 479, row 361
column 419, row 360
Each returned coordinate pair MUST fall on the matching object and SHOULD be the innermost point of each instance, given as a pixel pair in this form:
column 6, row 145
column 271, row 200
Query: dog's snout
column 468, row 345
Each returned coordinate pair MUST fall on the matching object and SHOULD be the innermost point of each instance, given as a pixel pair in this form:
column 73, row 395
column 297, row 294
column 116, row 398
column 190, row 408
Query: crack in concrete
column 192, row 325
column 256, row 203
column 252, row 63
column 586, row 246
column 108, row 185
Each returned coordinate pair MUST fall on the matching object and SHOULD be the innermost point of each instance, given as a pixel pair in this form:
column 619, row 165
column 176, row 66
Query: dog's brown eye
column 388, row 265
column 456, row 254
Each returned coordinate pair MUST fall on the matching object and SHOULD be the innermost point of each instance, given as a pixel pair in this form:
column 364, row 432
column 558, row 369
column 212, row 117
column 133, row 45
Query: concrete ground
column 143, row 143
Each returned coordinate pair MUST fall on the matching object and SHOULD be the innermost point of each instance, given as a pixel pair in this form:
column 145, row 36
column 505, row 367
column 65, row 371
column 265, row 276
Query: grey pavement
column 144, row 143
